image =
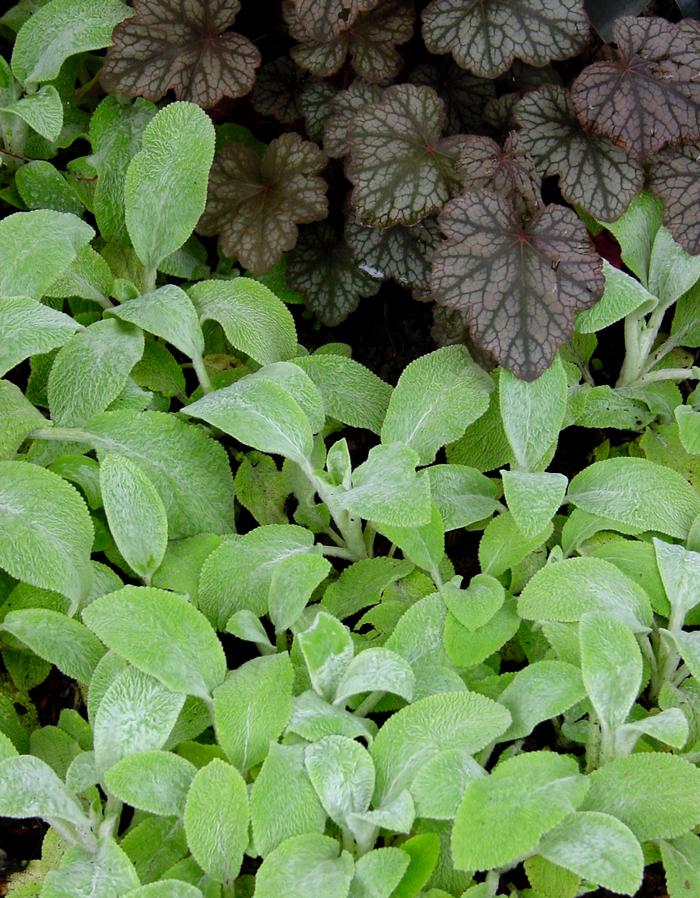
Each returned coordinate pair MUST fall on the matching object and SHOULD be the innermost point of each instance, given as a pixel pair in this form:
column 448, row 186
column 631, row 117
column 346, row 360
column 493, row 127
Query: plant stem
column 202, row 375
column 372, row 700
column 65, row 434
column 336, row 552
column 669, row 374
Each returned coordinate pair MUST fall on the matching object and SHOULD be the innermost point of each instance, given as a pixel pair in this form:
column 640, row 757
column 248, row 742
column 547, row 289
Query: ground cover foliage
column 229, row 558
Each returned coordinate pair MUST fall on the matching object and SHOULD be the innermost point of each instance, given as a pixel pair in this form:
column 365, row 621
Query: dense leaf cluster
column 326, row 635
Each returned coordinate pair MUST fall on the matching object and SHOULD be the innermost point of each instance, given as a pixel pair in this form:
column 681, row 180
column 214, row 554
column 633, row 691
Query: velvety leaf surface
column 254, row 204
column 400, row 168
column 344, row 106
column 463, row 94
column 650, row 95
column 322, row 268
column 184, row 46
column 675, row 178
column 370, row 42
column 508, row 170
column 521, row 284
column 593, row 172
column 401, row 253
column 485, row 37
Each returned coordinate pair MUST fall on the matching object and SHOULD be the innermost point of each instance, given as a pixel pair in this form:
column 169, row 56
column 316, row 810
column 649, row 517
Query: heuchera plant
column 239, row 551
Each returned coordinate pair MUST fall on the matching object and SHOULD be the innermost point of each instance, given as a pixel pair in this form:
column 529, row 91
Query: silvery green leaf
column 167, row 312
column 292, row 584
column 688, row 421
column 62, row 28
column 681, row 858
column 566, row 590
column 36, row 248
column 362, row 584
column 161, row 634
column 154, row 781
column 313, row 718
column 327, row 649
column 261, row 414
column 136, row 713
column 597, row 847
column 503, row 816
column 623, row 295
column 476, row 605
column 342, row 773
column 42, row 111
column 397, row 815
column 135, row 513
column 387, row 490
column 303, row 865
column 503, row 545
column 624, row 787
column 533, row 498
column 439, row 785
column 58, row 639
column 424, row 545
column 376, row 669
column 436, row 398
column 216, row 820
column 29, row 328
column 166, row 888
column 85, row 874
column 254, row 320
column 417, row 733
column 611, row 664
column 165, row 189
column 46, row 533
column 538, row 692
column 255, row 556
column 91, row 370
column 252, row 707
column 462, row 494
column 245, row 625
column 670, row 727
column 672, row 271
column 533, row 414
column 626, row 490
column 30, row 788
column 283, row 803
column 680, row 573
column 378, row 872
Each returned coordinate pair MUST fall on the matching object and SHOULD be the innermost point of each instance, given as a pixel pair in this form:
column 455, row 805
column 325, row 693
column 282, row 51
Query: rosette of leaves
column 520, row 281
column 508, row 170
column 401, row 168
column 649, row 96
column 401, row 253
column 675, row 179
column 593, row 172
column 167, row 45
column 463, row 94
column 485, row 36
column 255, row 203
column 322, row 268
column 370, row 42
column 344, row 106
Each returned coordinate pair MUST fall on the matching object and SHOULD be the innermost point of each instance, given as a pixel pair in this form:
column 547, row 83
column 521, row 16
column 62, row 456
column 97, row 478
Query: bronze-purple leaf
column 521, row 283
column 344, row 107
column 401, row 168
column 184, row 46
column 277, row 90
column 508, row 170
column 463, row 94
column 371, row 42
column 485, row 36
column 675, row 179
column 322, row 269
column 254, row 204
column 324, row 19
column 650, row 95
column 593, row 172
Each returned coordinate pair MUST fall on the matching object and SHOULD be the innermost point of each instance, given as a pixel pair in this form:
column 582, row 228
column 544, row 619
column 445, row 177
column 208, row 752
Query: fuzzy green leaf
column 135, row 514
column 168, row 313
column 62, row 28
column 166, row 183
column 42, row 111
column 627, row 490
column 533, row 499
column 154, row 781
column 216, row 820
column 539, row 692
column 46, row 532
column 303, row 865
column 30, row 788
column 161, row 634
